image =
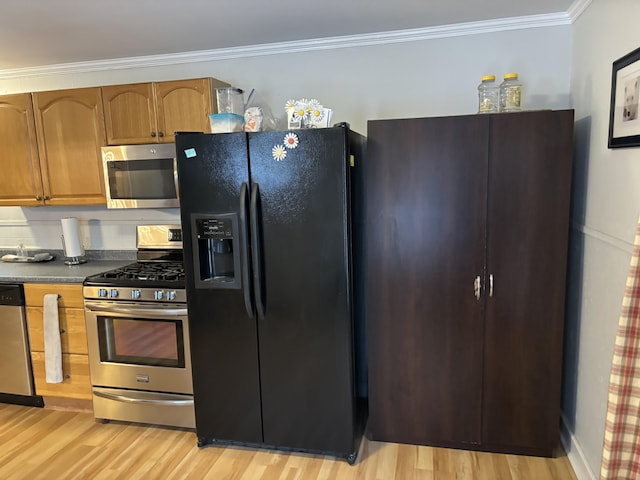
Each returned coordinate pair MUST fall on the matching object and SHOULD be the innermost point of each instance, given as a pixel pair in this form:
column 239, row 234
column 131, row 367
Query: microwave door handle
column 244, row 252
column 175, row 176
column 256, row 243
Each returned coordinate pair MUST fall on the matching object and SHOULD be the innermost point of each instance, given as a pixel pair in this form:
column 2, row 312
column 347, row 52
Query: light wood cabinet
column 73, row 335
column 467, row 222
column 152, row 112
column 50, row 148
column 76, row 384
column 50, row 141
column 20, row 182
column 70, row 133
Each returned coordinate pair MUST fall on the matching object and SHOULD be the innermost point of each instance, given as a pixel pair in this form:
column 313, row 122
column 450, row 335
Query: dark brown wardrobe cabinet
column 466, row 235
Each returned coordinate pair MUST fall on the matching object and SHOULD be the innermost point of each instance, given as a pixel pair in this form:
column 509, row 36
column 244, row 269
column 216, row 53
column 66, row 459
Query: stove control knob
column 113, row 293
column 135, row 294
column 171, row 295
column 102, row 292
column 158, row 295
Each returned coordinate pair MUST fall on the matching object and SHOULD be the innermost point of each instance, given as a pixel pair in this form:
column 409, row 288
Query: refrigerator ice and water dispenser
column 217, row 262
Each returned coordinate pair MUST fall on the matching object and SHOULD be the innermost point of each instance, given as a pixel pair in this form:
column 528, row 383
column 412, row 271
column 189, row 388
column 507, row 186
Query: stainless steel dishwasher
column 16, row 375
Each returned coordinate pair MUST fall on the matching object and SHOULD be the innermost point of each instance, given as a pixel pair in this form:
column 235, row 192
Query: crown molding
column 284, row 48
column 576, row 9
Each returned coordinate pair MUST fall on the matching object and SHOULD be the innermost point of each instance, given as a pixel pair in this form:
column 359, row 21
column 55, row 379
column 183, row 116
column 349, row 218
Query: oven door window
column 148, row 179
column 141, row 341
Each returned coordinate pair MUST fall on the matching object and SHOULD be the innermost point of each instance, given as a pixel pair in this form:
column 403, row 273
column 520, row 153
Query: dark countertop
column 56, row 271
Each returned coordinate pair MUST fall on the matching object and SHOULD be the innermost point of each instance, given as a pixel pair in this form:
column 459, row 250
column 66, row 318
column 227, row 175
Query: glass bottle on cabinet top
column 488, row 95
column 511, row 93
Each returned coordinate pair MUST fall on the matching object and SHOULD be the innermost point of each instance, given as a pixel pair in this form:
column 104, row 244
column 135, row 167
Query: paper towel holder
column 72, row 245
column 75, row 260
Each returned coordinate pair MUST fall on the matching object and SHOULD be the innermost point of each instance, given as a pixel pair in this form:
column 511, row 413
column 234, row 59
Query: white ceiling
column 51, row 32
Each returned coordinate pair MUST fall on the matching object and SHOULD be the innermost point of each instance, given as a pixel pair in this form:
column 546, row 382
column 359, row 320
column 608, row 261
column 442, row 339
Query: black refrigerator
column 274, row 304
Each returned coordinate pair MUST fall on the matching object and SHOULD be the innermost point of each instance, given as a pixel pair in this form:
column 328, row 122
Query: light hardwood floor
column 59, row 445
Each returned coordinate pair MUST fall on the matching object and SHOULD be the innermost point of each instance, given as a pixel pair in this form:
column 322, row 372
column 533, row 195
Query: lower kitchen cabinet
column 75, row 389
column 466, row 229
column 76, row 383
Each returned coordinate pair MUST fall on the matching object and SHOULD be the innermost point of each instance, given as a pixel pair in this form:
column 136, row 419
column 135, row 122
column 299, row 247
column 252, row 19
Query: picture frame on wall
column 624, row 118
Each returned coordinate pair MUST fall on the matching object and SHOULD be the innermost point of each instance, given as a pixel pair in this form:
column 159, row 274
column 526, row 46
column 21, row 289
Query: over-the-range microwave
column 141, row 176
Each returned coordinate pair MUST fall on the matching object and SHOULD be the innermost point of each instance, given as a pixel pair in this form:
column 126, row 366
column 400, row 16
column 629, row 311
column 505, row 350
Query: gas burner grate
column 140, row 273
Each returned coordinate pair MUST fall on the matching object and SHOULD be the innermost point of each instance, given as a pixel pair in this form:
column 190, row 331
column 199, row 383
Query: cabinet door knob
column 161, row 134
column 47, row 198
column 153, row 134
column 39, row 198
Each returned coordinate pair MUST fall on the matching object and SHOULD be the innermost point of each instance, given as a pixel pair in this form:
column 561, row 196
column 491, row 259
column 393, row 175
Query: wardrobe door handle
column 491, row 285
column 477, row 287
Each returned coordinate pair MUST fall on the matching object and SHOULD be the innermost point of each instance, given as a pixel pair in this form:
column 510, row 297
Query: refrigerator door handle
column 244, row 246
column 256, row 243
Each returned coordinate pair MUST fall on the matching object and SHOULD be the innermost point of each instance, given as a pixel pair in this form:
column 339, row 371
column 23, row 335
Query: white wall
column 100, row 229
column 409, row 78
column 606, row 205
column 394, row 80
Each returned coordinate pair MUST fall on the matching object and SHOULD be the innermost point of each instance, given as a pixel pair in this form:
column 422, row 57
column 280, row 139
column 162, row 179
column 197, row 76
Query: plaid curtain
column 621, row 454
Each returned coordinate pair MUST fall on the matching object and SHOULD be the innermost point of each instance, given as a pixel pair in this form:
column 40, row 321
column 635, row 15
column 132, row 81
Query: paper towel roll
column 71, row 236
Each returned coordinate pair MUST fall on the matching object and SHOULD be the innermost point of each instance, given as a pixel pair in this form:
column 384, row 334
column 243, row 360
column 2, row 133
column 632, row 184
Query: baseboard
column 66, row 403
column 575, row 454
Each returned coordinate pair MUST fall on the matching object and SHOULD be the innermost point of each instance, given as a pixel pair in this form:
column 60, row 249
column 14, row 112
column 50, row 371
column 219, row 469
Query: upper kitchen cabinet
column 20, row 179
column 153, row 112
column 70, row 133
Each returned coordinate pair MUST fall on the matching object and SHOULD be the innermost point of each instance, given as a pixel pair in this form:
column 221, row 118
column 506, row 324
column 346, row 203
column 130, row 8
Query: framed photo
column 624, row 119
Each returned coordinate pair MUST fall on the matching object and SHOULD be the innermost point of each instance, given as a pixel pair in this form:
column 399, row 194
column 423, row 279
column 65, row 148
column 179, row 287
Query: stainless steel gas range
column 138, row 335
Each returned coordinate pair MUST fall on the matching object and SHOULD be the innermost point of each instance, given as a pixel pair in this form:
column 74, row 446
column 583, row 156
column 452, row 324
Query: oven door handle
column 154, row 401
column 154, row 312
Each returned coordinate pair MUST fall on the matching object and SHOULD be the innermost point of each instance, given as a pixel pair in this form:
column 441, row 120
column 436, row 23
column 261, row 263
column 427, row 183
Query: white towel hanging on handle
column 52, row 346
